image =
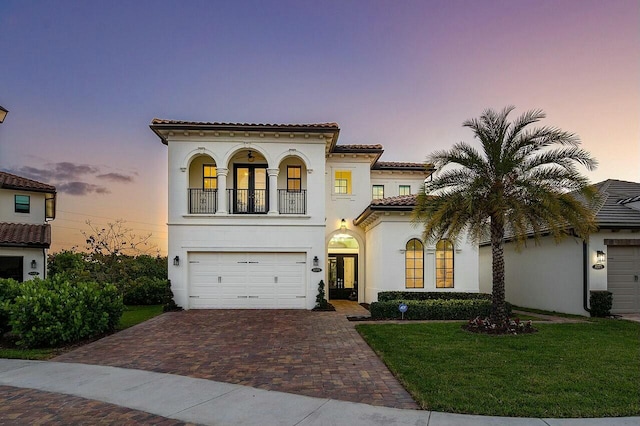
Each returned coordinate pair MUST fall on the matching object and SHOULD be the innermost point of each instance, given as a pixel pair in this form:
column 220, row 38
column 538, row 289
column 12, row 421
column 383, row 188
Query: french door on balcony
column 251, row 189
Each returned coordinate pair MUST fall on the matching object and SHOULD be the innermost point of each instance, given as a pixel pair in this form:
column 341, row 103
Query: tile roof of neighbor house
column 377, row 148
column 9, row 181
column 25, row 235
column 259, row 125
column 402, row 203
column 612, row 211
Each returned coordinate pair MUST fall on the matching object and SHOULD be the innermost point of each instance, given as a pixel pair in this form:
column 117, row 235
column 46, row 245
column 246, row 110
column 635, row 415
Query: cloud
column 116, row 177
column 71, row 178
column 81, row 188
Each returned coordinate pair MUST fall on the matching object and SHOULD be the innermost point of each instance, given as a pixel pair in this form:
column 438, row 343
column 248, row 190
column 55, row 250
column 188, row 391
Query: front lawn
column 131, row 316
column 589, row 369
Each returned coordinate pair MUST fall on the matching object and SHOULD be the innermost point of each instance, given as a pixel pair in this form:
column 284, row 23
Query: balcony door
column 251, row 189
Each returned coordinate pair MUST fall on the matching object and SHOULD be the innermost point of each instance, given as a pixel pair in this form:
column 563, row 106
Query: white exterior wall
column 550, row 276
column 392, row 182
column 253, row 232
column 36, row 207
column 28, row 254
column 545, row 276
column 386, row 242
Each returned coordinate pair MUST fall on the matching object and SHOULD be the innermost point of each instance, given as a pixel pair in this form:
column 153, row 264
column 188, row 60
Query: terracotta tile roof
column 358, row 148
column 397, row 165
column 400, row 200
column 24, row 235
column 9, row 181
column 259, row 125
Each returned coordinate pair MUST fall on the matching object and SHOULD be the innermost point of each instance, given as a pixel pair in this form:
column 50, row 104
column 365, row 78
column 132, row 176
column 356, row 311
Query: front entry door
column 251, row 195
column 343, row 276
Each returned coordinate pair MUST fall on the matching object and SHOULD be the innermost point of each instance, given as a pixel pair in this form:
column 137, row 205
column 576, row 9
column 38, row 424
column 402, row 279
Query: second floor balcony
column 247, row 201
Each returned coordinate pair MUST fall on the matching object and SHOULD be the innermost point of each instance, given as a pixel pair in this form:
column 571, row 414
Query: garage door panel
column 247, row 280
column 623, row 266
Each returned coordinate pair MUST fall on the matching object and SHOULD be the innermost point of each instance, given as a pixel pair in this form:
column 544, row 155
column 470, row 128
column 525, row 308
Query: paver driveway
column 309, row 353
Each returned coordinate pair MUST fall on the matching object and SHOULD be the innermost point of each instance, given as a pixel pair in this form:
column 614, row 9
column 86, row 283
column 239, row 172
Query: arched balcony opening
column 203, row 185
column 292, row 186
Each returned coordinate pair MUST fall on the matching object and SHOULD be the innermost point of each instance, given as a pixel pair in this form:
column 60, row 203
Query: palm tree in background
column 522, row 183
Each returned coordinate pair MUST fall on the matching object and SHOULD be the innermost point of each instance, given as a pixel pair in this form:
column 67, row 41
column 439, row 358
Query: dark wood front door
column 343, row 276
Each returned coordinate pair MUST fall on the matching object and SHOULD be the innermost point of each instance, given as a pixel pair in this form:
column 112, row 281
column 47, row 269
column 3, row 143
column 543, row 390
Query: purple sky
column 83, row 79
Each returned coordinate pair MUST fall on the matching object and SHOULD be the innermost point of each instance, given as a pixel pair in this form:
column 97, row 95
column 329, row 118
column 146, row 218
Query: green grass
column 565, row 370
column 131, row 316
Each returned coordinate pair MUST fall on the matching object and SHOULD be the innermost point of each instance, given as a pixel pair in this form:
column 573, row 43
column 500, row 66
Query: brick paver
column 33, row 407
column 316, row 354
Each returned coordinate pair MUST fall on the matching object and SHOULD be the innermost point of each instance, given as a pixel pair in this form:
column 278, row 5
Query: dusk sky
column 83, row 79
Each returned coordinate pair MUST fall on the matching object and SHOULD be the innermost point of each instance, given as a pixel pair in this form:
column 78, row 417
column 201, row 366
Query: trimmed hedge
column 55, row 311
column 432, row 309
column 601, row 303
column 9, row 290
column 385, row 296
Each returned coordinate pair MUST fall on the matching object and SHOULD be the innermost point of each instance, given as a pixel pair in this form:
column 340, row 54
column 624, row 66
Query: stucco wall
column 28, row 255
column 386, row 242
column 544, row 276
column 36, row 207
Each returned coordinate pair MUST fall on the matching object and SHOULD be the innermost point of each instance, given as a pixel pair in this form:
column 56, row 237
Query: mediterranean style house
column 259, row 214
column 559, row 277
column 25, row 236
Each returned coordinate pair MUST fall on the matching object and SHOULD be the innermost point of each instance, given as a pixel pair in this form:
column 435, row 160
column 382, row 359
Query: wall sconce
column 34, row 264
column 176, row 261
column 250, row 157
column 600, row 258
column 316, row 261
column 343, row 225
column 3, row 114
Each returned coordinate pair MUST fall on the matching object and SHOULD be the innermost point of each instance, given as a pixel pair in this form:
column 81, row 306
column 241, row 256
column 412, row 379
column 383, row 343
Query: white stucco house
column 26, row 206
column 559, row 277
column 258, row 214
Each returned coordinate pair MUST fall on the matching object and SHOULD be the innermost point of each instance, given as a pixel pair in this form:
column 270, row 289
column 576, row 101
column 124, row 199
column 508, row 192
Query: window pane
column 378, row 192
column 404, row 190
column 414, row 271
column 342, row 183
column 444, row 264
column 22, row 204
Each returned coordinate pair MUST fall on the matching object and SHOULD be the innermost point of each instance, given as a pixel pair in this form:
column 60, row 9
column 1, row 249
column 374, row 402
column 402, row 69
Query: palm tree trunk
column 498, row 311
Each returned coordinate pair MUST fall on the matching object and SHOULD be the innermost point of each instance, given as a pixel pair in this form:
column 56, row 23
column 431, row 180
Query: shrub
column 321, row 300
column 452, row 309
column 9, row 290
column 601, row 302
column 55, row 311
column 385, row 296
column 145, row 291
column 169, row 304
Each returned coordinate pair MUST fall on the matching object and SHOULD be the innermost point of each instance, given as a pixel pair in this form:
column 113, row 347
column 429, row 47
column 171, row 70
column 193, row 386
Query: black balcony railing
column 203, row 200
column 248, row 201
column 292, row 202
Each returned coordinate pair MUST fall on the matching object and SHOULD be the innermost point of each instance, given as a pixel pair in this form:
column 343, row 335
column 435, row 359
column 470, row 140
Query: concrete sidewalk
column 207, row 402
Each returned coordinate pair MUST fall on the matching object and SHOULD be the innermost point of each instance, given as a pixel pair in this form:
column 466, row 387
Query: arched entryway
column 342, row 268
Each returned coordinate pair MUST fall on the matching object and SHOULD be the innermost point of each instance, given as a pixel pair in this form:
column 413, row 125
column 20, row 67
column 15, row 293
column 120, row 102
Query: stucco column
column 273, row 191
column 222, row 190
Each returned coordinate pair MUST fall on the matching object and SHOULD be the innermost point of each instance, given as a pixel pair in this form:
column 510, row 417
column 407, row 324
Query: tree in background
column 523, row 183
column 115, row 239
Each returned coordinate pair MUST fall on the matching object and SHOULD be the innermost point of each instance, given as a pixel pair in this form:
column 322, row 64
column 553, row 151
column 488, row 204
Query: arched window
column 414, row 264
column 444, row 264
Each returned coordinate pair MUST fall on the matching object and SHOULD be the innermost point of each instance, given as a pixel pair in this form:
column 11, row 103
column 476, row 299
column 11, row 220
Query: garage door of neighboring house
column 623, row 278
column 247, row 280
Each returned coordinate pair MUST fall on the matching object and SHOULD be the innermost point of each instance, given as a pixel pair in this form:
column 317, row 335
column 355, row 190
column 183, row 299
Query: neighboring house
column 25, row 235
column 559, row 277
column 260, row 213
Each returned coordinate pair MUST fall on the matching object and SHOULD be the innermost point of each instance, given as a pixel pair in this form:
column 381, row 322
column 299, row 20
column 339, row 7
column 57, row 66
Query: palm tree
column 523, row 183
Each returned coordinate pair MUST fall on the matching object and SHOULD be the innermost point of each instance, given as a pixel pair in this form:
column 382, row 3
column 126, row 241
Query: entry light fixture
column 601, row 256
column 316, row 261
column 176, row 261
column 34, row 264
column 250, row 157
column 343, row 225
column 3, row 114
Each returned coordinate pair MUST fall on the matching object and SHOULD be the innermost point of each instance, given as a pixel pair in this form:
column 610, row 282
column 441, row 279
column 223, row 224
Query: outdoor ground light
column 3, row 114
column 34, row 264
column 176, row 261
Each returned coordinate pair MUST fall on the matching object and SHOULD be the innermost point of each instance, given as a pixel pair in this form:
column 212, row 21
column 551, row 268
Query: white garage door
column 623, row 278
column 247, row 280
